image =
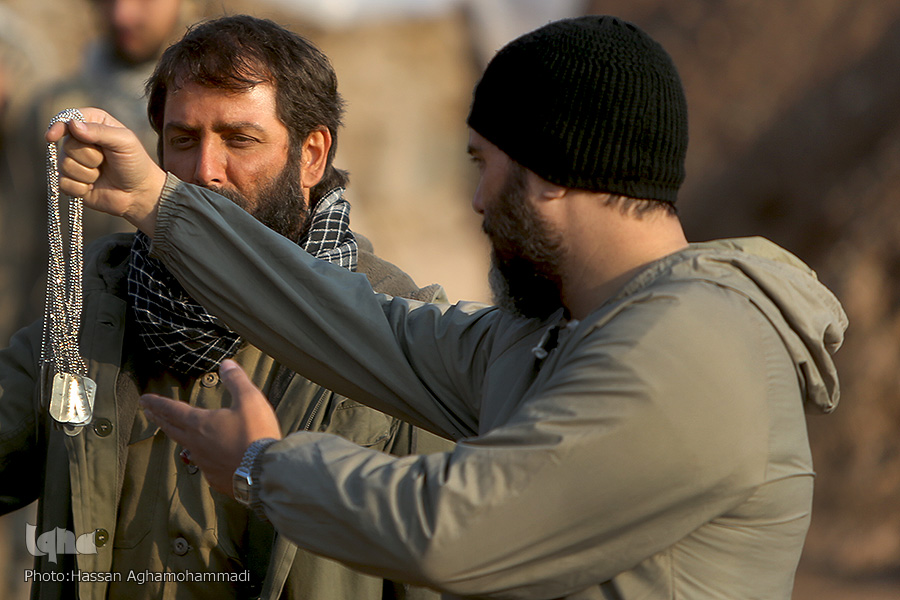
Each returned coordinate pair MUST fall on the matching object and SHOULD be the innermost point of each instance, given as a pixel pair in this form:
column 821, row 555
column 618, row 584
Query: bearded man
column 630, row 416
column 248, row 109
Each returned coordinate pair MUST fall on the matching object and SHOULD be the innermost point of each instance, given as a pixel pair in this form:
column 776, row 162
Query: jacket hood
column 808, row 317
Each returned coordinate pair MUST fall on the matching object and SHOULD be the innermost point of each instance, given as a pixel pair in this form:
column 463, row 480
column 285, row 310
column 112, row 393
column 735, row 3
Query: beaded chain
column 72, row 392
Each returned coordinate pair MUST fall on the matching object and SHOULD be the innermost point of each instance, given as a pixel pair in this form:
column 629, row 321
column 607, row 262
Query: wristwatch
column 244, row 476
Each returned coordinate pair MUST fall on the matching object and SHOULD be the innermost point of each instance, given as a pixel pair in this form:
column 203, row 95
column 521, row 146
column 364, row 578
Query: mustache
column 486, row 227
column 280, row 204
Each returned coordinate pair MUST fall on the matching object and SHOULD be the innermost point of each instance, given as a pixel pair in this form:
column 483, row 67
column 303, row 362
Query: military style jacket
column 655, row 449
column 132, row 510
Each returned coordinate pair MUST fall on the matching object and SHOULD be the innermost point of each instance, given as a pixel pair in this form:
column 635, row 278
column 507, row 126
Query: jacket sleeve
column 589, row 476
column 22, row 457
column 647, row 428
column 312, row 324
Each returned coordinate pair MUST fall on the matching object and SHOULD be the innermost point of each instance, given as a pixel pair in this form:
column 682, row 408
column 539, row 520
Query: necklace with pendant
column 64, row 372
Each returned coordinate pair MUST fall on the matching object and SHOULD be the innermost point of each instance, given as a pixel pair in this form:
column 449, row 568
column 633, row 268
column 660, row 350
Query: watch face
column 241, row 485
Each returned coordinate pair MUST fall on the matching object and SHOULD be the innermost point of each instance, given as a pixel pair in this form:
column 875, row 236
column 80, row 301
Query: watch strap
column 251, row 464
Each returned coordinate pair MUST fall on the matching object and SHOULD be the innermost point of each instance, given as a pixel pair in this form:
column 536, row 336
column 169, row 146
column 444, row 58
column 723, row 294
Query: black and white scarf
column 179, row 332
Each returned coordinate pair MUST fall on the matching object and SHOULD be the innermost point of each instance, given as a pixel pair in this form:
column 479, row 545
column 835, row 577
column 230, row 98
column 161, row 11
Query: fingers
column 55, row 133
column 79, row 168
column 73, row 188
column 83, row 170
column 173, row 417
column 79, row 155
column 80, row 159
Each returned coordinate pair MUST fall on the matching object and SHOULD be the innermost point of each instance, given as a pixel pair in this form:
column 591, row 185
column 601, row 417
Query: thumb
column 110, row 137
column 98, row 115
column 244, row 394
column 256, row 414
column 91, row 115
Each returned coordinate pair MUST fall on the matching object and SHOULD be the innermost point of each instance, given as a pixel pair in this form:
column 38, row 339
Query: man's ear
column 553, row 192
column 314, row 157
column 548, row 191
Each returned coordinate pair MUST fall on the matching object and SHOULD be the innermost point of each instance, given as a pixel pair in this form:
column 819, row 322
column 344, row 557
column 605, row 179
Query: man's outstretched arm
column 226, row 247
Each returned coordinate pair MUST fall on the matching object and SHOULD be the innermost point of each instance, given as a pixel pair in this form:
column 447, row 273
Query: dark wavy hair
column 238, row 52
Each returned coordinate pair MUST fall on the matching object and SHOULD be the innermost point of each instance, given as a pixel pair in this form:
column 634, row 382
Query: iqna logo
column 58, row 541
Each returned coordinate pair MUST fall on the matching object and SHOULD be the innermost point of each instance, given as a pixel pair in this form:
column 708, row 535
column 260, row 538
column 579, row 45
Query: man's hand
column 217, row 439
column 105, row 163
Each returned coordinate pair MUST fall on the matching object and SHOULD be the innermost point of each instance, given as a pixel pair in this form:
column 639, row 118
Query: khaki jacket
column 656, row 449
column 79, row 479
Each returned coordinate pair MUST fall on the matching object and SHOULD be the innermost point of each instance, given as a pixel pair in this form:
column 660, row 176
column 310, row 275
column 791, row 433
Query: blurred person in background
column 245, row 107
column 133, row 35
column 492, row 22
column 24, row 67
column 115, row 67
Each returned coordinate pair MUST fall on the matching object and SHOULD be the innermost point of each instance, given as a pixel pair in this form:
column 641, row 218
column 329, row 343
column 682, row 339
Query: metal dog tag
column 72, row 399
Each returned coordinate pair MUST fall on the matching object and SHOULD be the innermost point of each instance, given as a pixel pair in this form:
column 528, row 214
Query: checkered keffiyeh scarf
column 179, row 332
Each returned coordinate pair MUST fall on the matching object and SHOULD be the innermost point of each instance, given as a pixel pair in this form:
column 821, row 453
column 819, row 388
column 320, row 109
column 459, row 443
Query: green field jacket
column 656, row 449
column 84, row 488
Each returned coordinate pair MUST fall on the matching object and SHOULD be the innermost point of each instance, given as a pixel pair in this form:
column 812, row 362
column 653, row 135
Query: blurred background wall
column 795, row 135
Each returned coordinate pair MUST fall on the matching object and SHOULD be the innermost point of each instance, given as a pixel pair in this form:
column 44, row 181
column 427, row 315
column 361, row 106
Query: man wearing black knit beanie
column 630, row 415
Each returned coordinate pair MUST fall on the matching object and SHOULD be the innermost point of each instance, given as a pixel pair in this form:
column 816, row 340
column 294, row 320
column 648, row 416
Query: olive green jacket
column 656, row 449
column 79, row 479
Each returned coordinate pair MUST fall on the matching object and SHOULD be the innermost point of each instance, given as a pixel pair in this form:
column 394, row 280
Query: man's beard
column 525, row 252
column 280, row 203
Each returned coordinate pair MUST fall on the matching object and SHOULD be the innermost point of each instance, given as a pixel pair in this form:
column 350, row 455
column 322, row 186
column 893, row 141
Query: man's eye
column 241, row 140
column 182, row 141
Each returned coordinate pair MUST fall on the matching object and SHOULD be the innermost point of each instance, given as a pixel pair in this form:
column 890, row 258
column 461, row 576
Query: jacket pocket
column 360, row 424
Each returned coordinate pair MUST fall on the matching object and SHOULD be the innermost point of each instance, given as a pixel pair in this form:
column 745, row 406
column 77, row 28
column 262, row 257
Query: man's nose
column 209, row 168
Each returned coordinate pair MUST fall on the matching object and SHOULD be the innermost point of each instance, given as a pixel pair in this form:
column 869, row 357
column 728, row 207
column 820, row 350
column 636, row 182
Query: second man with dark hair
column 232, row 117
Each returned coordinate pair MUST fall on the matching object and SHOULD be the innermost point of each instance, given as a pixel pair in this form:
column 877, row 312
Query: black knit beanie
column 591, row 103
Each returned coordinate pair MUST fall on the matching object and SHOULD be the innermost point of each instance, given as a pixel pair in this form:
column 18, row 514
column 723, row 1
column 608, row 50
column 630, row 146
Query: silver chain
column 72, row 392
column 62, row 311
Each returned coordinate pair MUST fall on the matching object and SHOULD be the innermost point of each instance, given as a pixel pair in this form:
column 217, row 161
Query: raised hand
column 104, row 163
column 217, row 439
